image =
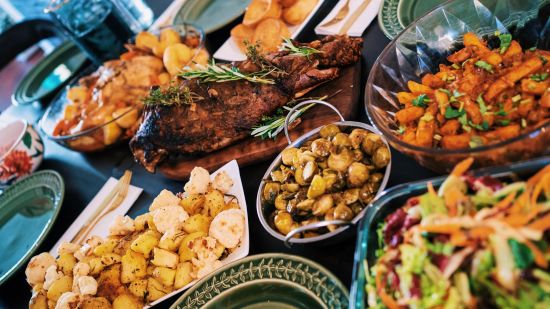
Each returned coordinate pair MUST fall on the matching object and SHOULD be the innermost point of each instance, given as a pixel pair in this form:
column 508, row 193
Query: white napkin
column 102, row 227
column 360, row 24
column 167, row 17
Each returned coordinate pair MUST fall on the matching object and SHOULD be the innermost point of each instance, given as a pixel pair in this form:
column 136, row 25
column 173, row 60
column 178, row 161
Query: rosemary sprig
column 172, row 95
column 254, row 55
column 213, row 72
column 306, row 51
column 271, row 126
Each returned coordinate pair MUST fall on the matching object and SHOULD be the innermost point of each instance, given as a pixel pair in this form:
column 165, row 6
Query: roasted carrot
column 541, row 224
column 481, row 232
column 462, row 167
column 386, row 299
column 440, row 228
column 540, row 259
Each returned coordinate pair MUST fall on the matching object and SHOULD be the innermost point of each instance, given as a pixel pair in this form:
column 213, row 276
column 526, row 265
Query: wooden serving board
column 253, row 150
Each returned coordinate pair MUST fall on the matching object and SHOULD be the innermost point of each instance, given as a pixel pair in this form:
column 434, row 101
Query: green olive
column 358, row 173
column 321, row 147
column 290, row 187
column 367, row 193
column 343, row 212
column 351, row 196
column 376, row 177
column 356, row 208
column 356, row 137
column 288, row 155
column 381, row 157
column 340, row 160
column 371, row 142
column 329, row 131
column 322, row 205
column 317, row 187
column 341, row 139
column 283, row 222
column 310, row 169
column 358, row 155
column 280, row 202
column 271, row 189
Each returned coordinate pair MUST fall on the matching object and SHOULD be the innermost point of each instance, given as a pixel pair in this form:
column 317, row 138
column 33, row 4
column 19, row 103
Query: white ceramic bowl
column 21, row 151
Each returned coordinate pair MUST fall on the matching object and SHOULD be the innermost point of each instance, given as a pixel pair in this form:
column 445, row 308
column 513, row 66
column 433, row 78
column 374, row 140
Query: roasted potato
column 259, row 10
column 95, row 303
column 138, row 288
column 164, row 258
column 109, row 282
column 183, row 275
column 134, row 266
column 214, row 202
column 165, row 275
column 60, row 286
column 269, row 34
column 197, row 223
column 146, row 41
column 38, row 300
column 155, row 289
column 176, row 57
column 127, row 301
column 145, row 242
column 65, row 263
column 298, row 12
column 242, row 34
column 185, row 252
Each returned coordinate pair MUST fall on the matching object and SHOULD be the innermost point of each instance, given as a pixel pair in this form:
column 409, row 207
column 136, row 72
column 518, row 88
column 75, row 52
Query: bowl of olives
column 322, row 183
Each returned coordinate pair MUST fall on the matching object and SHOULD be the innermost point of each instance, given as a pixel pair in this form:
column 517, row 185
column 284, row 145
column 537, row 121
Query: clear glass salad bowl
column 426, row 43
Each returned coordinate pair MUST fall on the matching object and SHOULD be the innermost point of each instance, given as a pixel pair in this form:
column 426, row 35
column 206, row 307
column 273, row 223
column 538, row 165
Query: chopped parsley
column 505, row 41
column 420, row 101
column 539, row 77
column 501, row 112
column 504, row 122
column 544, row 61
column 483, row 127
column 475, row 141
column 401, row 130
column 484, row 65
column 482, row 104
column 447, row 92
column 451, row 113
column 532, row 48
column 463, row 119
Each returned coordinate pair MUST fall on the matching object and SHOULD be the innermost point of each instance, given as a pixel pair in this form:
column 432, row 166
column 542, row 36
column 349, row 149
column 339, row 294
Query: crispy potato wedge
column 269, row 34
column 259, row 10
column 298, row 12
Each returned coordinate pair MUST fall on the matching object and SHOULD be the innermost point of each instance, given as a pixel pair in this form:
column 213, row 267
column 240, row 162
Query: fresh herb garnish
column 484, row 65
column 171, row 96
column 400, row 130
column 447, row 92
column 463, row 119
column 253, row 54
column 543, row 59
column 306, row 51
column 539, row 77
column 213, row 72
column 482, row 104
column 501, row 111
column 451, row 113
column 532, row 48
column 420, row 101
column 504, row 122
column 523, row 256
column 475, row 141
column 505, row 41
column 483, row 127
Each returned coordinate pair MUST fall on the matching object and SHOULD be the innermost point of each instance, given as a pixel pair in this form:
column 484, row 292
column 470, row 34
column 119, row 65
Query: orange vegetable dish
column 484, row 96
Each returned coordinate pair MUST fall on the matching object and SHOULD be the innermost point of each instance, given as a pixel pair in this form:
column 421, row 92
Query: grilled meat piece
column 224, row 113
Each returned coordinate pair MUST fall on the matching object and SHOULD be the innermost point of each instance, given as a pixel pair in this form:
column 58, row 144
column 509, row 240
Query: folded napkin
column 360, row 24
column 102, row 227
column 167, row 17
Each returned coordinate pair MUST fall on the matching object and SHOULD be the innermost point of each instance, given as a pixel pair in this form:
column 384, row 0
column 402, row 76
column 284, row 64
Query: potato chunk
column 164, row 258
column 134, row 266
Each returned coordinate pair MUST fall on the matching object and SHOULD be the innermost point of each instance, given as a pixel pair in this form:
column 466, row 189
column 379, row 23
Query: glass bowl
column 426, row 43
column 394, row 198
column 93, row 139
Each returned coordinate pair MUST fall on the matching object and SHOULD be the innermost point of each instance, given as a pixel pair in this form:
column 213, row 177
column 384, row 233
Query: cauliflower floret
column 67, row 300
column 67, row 247
column 94, row 241
column 81, row 269
column 36, row 269
column 122, row 226
column 222, row 182
column 169, row 217
column 81, row 253
column 207, row 267
column 51, row 275
column 198, row 182
column 228, row 227
column 87, row 285
column 165, row 198
column 206, row 260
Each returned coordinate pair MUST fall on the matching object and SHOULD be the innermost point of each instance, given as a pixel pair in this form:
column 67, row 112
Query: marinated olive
column 322, row 205
column 376, row 177
column 329, row 131
column 271, row 189
column 288, row 155
column 358, row 155
column 343, row 212
column 367, row 193
column 299, row 176
column 350, row 196
column 322, row 164
column 280, row 202
column 356, row 137
column 277, row 176
column 317, row 187
column 341, row 139
column 381, row 157
column 290, row 187
column 296, row 159
column 306, row 206
column 358, row 173
column 310, row 170
column 334, row 181
column 329, row 216
column 283, row 222
column 356, row 208
column 371, row 142
column 340, row 161
column 321, row 147
column 310, row 221
column 306, row 156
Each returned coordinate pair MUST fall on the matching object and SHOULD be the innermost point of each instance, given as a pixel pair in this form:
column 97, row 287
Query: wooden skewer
column 114, row 199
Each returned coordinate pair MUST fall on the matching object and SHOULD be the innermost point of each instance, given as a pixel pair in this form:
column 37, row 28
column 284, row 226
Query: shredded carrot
column 128, row 55
column 538, row 176
column 462, row 167
column 541, row 224
column 540, row 259
column 481, row 232
column 386, row 299
column 505, row 202
column 453, row 197
column 521, row 202
column 440, row 228
column 536, row 192
column 521, row 220
column 459, row 239
column 431, row 189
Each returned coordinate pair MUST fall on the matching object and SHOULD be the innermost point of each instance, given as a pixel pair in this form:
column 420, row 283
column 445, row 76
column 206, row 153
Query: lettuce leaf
column 523, row 257
column 431, row 204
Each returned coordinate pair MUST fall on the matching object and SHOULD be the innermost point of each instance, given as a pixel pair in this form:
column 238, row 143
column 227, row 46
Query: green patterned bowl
column 270, row 280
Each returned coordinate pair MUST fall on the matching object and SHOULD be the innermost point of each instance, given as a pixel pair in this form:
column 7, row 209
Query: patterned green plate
column 396, row 15
column 266, row 281
column 210, row 15
column 28, row 209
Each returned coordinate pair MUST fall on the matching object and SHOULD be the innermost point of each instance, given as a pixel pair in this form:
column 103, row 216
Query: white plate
column 229, row 51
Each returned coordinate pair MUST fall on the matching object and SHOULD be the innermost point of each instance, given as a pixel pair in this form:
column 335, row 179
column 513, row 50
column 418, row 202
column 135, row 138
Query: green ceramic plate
column 28, row 209
column 210, row 15
column 50, row 74
column 267, row 281
column 396, row 15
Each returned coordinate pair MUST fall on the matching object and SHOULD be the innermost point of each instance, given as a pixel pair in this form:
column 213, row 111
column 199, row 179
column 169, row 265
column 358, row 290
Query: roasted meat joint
column 218, row 105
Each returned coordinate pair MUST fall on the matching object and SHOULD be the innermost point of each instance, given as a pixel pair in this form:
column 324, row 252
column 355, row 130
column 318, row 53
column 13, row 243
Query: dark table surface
column 85, row 174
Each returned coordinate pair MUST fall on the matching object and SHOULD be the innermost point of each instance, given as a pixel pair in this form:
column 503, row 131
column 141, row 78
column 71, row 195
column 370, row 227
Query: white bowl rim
column 17, row 141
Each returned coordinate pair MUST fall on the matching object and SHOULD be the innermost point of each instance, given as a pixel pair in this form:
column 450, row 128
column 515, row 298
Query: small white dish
column 229, row 51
